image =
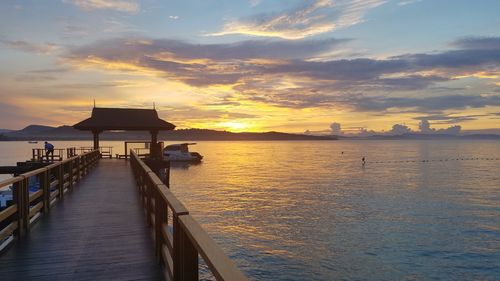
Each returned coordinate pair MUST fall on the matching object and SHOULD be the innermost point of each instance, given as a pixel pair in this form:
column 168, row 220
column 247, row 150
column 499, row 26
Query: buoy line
column 437, row 160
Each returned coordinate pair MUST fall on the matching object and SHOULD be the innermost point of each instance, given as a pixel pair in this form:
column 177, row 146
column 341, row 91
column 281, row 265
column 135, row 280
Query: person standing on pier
column 49, row 149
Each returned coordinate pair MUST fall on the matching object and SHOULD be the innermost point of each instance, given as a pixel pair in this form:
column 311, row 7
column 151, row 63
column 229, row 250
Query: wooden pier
column 115, row 220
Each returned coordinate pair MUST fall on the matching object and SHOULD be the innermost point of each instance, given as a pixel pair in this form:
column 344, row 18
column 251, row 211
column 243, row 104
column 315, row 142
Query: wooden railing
column 179, row 239
column 53, row 180
column 39, row 154
column 106, row 151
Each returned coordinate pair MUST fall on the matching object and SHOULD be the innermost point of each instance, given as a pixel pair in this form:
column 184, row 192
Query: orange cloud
column 117, row 5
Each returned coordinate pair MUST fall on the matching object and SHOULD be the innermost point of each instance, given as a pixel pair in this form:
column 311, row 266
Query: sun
column 234, row 126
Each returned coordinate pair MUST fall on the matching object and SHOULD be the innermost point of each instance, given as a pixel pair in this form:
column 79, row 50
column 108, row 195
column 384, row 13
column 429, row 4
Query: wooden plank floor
column 97, row 232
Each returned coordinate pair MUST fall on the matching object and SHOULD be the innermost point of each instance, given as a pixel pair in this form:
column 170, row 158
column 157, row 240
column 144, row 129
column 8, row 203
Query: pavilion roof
column 130, row 119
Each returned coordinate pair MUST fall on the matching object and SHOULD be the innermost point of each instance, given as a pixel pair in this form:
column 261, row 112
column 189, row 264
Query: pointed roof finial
column 94, row 103
column 154, row 106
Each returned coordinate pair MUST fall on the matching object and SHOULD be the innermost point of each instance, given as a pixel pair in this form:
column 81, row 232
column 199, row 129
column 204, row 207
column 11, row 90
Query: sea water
column 310, row 210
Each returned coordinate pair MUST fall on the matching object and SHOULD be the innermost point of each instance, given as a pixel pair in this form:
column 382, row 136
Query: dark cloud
column 477, row 43
column 179, row 115
column 225, row 101
column 255, row 67
column 336, row 128
column 207, row 64
column 201, row 65
column 30, row 47
column 398, row 129
column 436, row 103
column 425, row 128
column 57, row 70
column 355, row 69
column 453, row 59
column 412, row 82
column 35, row 78
column 122, row 48
column 449, row 118
column 469, row 52
column 307, row 98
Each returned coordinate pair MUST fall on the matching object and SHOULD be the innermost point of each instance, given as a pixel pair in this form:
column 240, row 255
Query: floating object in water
column 180, row 152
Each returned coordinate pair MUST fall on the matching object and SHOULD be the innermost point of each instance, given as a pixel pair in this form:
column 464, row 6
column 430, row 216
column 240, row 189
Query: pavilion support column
column 96, row 139
column 153, row 148
column 155, row 158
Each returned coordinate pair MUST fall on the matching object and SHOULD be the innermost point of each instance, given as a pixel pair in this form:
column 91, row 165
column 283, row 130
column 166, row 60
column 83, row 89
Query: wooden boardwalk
column 97, row 232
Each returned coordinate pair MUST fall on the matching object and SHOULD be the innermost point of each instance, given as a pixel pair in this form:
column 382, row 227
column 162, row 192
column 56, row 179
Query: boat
column 32, row 142
column 180, row 152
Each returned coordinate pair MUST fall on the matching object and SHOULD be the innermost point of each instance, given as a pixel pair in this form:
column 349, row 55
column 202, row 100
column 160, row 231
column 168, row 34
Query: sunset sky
column 253, row 65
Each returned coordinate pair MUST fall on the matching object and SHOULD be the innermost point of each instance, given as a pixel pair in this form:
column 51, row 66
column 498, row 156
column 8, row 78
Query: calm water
column 304, row 211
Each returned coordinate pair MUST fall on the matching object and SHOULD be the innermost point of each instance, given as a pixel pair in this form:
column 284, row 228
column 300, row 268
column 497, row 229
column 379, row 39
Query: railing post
column 80, row 173
column 17, row 198
column 159, row 220
column 78, row 169
column 88, row 159
column 60, row 178
column 140, row 183
column 148, row 202
column 45, row 187
column 26, row 204
column 86, row 164
column 69, row 167
column 21, row 197
column 82, row 163
column 185, row 256
column 167, row 175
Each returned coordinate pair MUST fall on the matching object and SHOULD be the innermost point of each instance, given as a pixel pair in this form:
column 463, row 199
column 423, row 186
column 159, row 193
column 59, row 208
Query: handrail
column 178, row 244
column 54, row 181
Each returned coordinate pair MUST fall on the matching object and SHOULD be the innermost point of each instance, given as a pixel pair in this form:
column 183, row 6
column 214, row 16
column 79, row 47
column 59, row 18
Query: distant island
column 40, row 132
column 422, row 136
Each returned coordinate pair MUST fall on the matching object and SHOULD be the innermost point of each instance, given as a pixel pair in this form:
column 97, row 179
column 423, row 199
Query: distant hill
column 35, row 129
column 39, row 132
column 482, row 136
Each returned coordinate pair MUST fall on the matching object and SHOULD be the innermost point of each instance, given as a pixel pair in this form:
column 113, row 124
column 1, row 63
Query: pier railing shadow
column 36, row 191
column 179, row 239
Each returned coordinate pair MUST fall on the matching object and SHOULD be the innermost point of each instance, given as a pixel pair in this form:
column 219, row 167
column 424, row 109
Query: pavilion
column 125, row 119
